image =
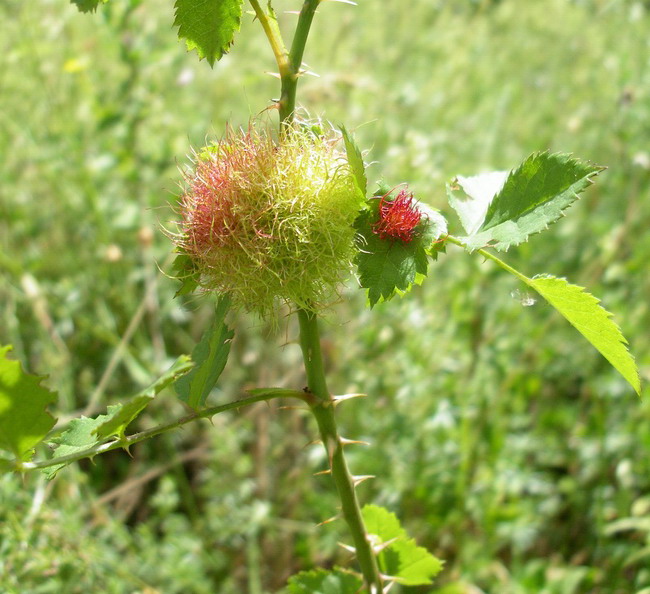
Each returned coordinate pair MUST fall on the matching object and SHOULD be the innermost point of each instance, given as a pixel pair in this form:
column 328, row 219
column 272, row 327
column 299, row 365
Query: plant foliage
column 85, row 433
column 123, row 414
column 355, row 159
column 594, row 322
column 24, row 420
column 400, row 558
column 499, row 210
column 391, row 267
column 208, row 26
column 79, row 436
column 210, row 356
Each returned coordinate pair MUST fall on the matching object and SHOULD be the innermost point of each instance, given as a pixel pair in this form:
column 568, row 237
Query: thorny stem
column 127, row 442
column 322, row 407
column 289, row 62
column 290, row 80
column 318, row 397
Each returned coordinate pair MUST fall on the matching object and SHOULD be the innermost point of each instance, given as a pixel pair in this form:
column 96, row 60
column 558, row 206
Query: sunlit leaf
column 594, row 322
column 477, row 192
column 123, row 414
column 24, row 420
column 208, row 26
column 85, row 433
column 586, row 315
column 210, row 356
column 402, row 560
column 79, row 436
column 532, row 197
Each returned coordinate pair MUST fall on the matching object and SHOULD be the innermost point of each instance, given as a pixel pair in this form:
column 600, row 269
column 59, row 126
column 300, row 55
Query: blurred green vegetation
column 502, row 440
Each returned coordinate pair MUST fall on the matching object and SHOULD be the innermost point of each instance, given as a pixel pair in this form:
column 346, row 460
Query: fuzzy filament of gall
column 398, row 217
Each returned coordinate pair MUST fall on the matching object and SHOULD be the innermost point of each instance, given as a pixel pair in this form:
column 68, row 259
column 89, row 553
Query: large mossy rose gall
column 266, row 221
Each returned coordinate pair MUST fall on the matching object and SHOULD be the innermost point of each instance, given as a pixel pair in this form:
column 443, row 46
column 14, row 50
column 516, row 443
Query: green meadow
column 504, row 442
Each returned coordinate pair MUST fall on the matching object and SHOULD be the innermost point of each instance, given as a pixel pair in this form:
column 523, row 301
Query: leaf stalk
column 269, row 23
column 154, row 431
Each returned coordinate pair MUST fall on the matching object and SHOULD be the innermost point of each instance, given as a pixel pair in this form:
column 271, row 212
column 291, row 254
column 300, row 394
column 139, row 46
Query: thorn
column 345, row 441
column 310, row 72
column 357, row 480
column 341, row 1
column 292, row 12
column 273, row 74
column 321, row 472
column 376, row 549
column 315, row 442
column 329, row 520
column 343, row 397
column 290, row 407
column 347, row 547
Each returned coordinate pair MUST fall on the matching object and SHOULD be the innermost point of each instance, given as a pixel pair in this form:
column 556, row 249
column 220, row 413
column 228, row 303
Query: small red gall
column 398, row 217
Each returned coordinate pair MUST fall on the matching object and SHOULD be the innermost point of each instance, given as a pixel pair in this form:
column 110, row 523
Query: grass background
column 502, row 440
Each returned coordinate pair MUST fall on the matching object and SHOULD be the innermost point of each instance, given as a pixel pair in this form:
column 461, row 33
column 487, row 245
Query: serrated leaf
column 88, row 5
column 584, row 313
column 389, row 267
column 185, row 270
column 355, row 160
column 410, row 564
column 123, row 414
column 478, row 191
column 402, row 559
column 85, row 433
column 24, row 420
column 79, row 436
column 208, row 26
column 533, row 196
column 210, row 356
column 321, row 581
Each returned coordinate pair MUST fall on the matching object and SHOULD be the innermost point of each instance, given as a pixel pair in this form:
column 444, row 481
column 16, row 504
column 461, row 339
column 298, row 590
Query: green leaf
column 24, row 421
column 79, row 436
column 88, row 5
column 533, row 196
column 208, row 26
column 321, row 581
column 389, row 267
column 210, row 356
column 594, row 322
column 85, row 433
column 478, row 191
column 402, row 560
column 123, row 414
column 185, row 270
column 355, row 159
